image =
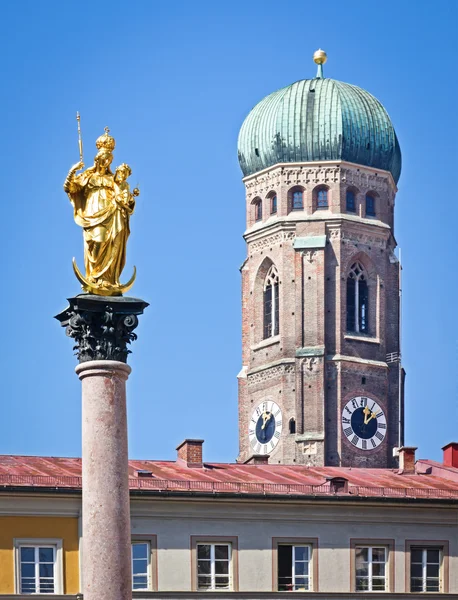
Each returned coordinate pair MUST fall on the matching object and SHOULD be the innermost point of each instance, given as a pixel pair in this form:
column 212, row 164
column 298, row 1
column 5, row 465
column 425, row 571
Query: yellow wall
column 64, row 528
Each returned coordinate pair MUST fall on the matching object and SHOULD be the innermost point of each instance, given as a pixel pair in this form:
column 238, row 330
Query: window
column 425, row 569
column 297, row 200
column 292, row 425
column 371, row 567
column 351, row 204
column 271, row 304
column 357, row 300
column 273, row 205
column 294, row 567
column 141, row 553
column 213, row 566
column 370, row 206
column 214, row 563
column 39, row 566
column 322, row 199
column 258, row 210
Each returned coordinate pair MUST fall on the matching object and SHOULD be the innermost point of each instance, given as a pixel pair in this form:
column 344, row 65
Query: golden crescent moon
column 103, row 291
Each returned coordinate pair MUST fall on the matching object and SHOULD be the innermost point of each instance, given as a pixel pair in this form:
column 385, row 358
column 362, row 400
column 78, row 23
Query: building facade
column 243, row 530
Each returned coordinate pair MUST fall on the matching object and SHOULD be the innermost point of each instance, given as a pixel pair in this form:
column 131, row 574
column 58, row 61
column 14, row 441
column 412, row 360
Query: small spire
column 320, row 57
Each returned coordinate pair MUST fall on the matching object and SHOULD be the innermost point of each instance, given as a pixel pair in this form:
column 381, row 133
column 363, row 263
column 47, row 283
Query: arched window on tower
column 297, row 200
column 273, row 204
column 292, row 425
column 258, row 210
column 351, row 204
column 357, row 300
column 370, row 206
column 271, row 304
column 322, row 198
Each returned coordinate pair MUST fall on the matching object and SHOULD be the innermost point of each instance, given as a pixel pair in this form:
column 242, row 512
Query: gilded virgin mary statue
column 102, row 204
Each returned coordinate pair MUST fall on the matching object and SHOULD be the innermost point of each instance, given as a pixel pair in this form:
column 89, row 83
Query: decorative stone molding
column 335, row 234
column 268, row 374
column 289, row 176
column 272, row 240
column 309, row 255
column 364, row 180
column 361, row 238
column 311, row 363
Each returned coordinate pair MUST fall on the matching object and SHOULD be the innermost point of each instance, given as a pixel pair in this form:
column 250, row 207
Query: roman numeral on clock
column 380, row 414
column 277, row 434
column 251, row 432
column 364, row 443
column 373, row 443
column 348, row 431
column 382, row 425
column 277, row 413
column 355, row 440
column 379, row 435
column 345, row 420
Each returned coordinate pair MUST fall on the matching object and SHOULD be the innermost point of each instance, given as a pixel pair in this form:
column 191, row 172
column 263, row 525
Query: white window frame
column 424, row 578
column 309, row 577
column 212, row 545
column 149, row 574
column 370, row 563
column 309, row 563
column 39, row 542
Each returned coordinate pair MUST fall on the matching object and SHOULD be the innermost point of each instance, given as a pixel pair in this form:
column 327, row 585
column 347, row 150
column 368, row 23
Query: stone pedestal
column 102, row 328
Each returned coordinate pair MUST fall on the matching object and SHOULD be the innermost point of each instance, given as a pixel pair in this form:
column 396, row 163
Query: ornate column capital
column 101, row 326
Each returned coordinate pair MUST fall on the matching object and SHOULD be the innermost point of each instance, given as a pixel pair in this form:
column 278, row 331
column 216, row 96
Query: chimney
column 451, row 455
column 407, row 459
column 190, row 452
column 257, row 459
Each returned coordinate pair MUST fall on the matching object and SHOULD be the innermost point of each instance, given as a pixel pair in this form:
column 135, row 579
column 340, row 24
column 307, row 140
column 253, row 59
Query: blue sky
column 174, row 81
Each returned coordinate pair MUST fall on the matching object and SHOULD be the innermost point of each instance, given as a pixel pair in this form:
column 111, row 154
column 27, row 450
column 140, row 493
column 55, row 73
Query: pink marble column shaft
column 106, row 511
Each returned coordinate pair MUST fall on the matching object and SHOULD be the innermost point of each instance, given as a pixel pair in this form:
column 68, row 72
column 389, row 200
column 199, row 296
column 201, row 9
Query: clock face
column 364, row 423
column 265, row 427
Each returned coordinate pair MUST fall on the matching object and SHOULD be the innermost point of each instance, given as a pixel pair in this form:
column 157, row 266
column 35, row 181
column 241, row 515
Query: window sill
column 267, row 342
column 362, row 338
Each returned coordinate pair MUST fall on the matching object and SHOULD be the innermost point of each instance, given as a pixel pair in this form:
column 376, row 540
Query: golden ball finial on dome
column 320, row 57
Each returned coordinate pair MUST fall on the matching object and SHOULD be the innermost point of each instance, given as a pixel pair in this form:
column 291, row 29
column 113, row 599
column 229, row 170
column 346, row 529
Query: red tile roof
column 432, row 480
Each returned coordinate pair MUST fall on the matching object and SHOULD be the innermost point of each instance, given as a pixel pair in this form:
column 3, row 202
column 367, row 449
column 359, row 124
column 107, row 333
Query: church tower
column 321, row 381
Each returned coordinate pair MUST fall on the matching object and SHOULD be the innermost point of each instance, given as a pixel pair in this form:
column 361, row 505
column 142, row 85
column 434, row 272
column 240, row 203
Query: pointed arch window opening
column 271, row 304
column 357, row 300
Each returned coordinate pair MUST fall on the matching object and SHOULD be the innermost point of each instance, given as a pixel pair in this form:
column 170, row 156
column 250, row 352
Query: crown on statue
column 105, row 141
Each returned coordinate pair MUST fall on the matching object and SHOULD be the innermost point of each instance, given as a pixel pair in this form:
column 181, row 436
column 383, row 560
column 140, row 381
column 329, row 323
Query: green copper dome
column 316, row 120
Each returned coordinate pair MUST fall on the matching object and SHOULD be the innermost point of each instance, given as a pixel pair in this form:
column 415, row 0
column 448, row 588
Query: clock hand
column 367, row 412
column 265, row 418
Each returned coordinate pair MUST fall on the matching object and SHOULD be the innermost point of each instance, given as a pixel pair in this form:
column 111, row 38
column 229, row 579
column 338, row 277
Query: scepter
column 80, row 139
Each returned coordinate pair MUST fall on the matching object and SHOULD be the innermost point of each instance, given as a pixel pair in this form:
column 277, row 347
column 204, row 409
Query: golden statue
column 102, row 204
